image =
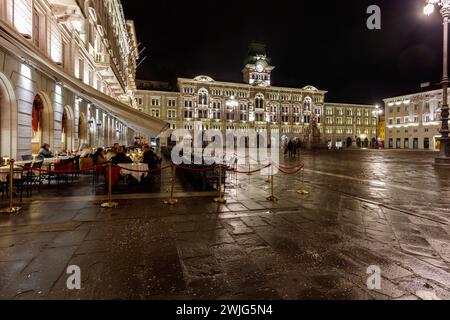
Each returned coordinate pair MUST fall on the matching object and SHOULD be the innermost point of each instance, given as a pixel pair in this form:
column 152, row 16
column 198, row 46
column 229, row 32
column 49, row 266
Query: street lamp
column 444, row 156
column 377, row 112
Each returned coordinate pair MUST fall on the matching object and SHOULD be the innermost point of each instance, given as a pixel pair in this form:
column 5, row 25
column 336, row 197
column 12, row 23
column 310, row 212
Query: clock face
column 260, row 68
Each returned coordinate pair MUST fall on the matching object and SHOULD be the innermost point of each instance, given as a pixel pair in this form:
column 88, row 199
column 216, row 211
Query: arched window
column 259, row 101
column 36, row 123
column 202, row 97
column 307, row 105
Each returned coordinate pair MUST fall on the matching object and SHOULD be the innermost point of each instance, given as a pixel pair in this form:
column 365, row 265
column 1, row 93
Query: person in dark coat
column 290, row 148
column 150, row 158
column 45, row 152
column 121, row 157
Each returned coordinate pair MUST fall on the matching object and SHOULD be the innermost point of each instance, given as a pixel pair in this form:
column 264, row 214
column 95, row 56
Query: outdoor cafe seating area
column 33, row 175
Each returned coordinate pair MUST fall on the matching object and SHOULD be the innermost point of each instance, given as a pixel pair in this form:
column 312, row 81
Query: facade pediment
column 203, row 78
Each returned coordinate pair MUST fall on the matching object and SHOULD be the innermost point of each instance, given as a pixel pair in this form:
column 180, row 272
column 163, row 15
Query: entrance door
column 349, row 142
column 437, row 143
column 399, row 144
column 416, row 143
column 391, row 143
column 426, row 144
column 406, row 144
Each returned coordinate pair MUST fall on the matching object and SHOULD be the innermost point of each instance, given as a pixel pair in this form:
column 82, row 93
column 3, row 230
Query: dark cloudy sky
column 322, row 43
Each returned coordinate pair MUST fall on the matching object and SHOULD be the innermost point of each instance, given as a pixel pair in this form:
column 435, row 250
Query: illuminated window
column 21, row 15
column 203, row 97
column 55, row 43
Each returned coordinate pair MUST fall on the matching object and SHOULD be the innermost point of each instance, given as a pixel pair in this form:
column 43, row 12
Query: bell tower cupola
column 257, row 70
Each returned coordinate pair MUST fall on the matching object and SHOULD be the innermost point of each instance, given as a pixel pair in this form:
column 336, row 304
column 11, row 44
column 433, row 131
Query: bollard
column 302, row 190
column 171, row 201
column 272, row 196
column 110, row 204
column 220, row 199
column 11, row 209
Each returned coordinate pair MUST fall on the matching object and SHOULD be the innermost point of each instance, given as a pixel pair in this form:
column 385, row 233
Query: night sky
column 321, row 43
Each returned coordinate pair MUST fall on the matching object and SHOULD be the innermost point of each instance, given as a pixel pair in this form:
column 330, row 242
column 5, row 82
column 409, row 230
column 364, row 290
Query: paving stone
column 317, row 246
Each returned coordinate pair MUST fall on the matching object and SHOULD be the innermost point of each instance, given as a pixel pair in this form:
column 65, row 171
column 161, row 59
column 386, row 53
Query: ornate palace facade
column 292, row 113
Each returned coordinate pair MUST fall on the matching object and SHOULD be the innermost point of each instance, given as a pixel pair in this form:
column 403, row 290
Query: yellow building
column 382, row 129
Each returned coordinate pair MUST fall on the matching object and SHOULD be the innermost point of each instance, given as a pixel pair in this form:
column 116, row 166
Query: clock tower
column 257, row 70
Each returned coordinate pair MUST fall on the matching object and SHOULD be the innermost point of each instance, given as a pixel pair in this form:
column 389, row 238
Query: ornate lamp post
column 377, row 112
column 444, row 156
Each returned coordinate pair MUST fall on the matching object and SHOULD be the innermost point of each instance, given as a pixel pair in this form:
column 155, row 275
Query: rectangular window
column 36, row 28
column 171, row 114
column 155, row 113
column 156, row 102
column 172, row 103
column 188, row 114
column 81, row 69
column 55, row 43
column 21, row 15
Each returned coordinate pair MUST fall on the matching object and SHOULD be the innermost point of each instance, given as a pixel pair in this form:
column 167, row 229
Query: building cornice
column 192, row 82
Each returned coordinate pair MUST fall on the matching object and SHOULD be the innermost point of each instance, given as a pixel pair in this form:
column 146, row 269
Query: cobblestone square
column 365, row 208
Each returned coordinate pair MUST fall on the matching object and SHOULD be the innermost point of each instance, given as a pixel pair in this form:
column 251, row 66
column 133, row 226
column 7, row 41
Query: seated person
column 45, row 152
column 150, row 158
column 99, row 157
column 85, row 151
column 112, row 152
column 121, row 157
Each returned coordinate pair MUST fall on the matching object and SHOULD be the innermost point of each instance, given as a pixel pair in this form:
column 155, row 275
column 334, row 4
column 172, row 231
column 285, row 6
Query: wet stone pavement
column 385, row 208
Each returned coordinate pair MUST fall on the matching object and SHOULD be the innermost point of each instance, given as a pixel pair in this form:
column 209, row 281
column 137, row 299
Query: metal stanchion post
column 220, row 199
column 271, row 170
column 272, row 196
column 171, row 201
column 110, row 204
column 302, row 190
column 11, row 209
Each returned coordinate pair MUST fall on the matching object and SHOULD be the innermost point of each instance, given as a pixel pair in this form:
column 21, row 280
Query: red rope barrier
column 196, row 169
column 249, row 172
column 279, row 166
column 144, row 171
column 56, row 171
column 292, row 172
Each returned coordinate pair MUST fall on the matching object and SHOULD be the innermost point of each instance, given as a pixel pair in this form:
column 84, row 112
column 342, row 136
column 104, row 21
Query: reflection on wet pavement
column 385, row 208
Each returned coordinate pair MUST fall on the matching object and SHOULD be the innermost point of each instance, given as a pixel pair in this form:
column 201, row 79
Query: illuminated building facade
column 413, row 120
column 67, row 76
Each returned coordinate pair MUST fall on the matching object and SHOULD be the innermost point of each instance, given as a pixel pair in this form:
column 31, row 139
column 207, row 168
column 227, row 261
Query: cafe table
column 134, row 169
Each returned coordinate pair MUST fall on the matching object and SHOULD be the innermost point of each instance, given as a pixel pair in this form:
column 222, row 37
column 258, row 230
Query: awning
column 131, row 117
